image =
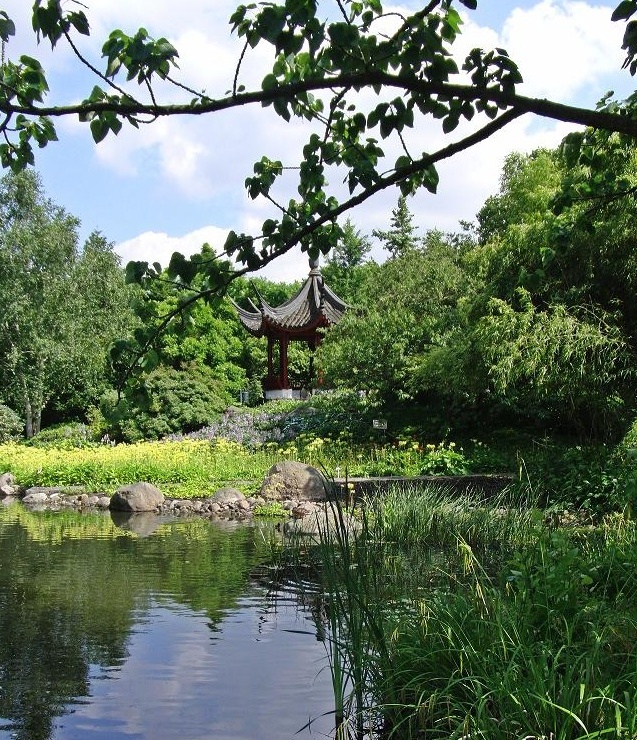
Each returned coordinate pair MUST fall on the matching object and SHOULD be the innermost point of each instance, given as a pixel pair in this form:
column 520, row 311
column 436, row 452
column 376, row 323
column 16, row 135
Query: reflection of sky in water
column 259, row 674
column 181, row 635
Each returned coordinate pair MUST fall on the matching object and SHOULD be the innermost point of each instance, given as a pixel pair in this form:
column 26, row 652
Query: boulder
column 136, row 497
column 321, row 524
column 7, row 485
column 295, row 480
column 227, row 495
column 36, row 495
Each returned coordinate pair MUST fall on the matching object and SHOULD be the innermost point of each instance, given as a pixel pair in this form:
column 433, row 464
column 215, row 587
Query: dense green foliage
column 10, row 424
column 406, row 307
column 520, row 320
column 169, row 401
column 61, row 305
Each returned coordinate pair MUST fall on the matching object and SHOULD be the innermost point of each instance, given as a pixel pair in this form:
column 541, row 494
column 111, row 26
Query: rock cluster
column 299, row 489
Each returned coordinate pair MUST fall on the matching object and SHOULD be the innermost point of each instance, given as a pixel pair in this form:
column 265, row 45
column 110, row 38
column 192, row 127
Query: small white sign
column 379, row 423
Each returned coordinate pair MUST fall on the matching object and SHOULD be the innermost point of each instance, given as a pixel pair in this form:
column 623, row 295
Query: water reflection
column 107, row 634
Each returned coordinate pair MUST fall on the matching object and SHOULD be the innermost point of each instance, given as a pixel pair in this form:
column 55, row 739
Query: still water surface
column 174, row 634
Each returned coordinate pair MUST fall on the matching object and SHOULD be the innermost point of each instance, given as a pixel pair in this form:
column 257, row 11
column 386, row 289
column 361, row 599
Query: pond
column 113, row 629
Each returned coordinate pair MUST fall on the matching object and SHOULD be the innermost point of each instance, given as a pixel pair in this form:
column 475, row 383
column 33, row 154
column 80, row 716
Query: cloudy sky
column 178, row 183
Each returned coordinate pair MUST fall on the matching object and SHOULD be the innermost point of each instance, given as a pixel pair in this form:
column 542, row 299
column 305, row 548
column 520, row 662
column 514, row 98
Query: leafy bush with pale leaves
column 10, row 424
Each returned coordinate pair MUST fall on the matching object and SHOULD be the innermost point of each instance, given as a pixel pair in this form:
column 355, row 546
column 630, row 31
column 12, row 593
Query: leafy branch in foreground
column 324, row 69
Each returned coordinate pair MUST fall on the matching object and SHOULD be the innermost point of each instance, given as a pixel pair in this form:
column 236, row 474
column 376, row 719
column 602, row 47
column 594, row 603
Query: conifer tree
column 401, row 237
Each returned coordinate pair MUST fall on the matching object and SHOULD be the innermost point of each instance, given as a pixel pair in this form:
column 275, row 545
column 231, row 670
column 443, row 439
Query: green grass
column 183, row 469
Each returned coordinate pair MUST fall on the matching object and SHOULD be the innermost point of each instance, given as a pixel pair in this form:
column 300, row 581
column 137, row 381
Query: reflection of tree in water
column 71, row 590
column 291, row 587
column 44, row 666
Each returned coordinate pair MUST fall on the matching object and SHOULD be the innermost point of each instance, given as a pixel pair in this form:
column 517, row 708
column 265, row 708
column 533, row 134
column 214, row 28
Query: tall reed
column 461, row 619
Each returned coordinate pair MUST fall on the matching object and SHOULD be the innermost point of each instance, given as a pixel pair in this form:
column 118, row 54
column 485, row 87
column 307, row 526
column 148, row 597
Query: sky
column 178, row 183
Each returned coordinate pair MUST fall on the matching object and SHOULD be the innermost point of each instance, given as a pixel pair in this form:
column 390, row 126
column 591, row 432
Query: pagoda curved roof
column 314, row 305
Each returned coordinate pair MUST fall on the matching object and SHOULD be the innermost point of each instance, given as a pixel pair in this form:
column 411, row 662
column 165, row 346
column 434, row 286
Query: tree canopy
column 356, row 74
column 60, row 306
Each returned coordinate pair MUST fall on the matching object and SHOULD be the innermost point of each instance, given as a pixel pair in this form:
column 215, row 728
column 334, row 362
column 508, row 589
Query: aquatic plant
column 535, row 637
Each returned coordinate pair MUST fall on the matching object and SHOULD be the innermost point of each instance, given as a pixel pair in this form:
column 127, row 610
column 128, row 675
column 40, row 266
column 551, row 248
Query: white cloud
column 563, row 47
column 152, row 246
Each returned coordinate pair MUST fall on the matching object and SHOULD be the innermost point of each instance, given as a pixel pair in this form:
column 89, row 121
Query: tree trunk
column 28, row 413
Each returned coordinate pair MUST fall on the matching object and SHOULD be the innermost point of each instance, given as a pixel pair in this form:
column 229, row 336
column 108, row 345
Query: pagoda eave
column 301, row 318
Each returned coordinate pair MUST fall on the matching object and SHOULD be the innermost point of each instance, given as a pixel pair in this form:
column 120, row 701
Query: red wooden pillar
column 283, row 361
column 270, row 355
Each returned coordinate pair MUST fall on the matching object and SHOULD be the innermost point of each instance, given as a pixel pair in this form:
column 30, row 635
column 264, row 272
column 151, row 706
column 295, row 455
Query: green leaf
column 7, row 26
column 231, row 244
column 182, row 268
column 80, row 23
column 271, row 22
column 99, row 130
column 431, row 179
column 135, row 272
column 149, row 361
column 450, row 123
column 269, row 82
column 344, row 35
column 624, row 10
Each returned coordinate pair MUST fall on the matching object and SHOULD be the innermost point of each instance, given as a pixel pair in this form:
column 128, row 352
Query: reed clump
column 467, row 618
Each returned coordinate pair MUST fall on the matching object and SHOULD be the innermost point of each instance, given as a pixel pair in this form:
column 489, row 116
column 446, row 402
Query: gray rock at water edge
column 136, row 497
column 295, row 480
column 322, row 523
column 7, row 485
column 35, row 497
column 226, row 495
column 39, row 494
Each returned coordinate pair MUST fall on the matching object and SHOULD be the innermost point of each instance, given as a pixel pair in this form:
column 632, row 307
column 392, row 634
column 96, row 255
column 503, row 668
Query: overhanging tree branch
column 392, row 180
column 621, row 122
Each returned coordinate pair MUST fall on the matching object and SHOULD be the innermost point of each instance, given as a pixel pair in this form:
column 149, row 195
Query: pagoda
column 299, row 319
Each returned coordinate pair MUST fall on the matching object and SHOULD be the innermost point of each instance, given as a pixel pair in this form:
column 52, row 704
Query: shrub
column 10, row 424
column 444, row 460
column 63, row 436
column 576, row 477
column 170, row 401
